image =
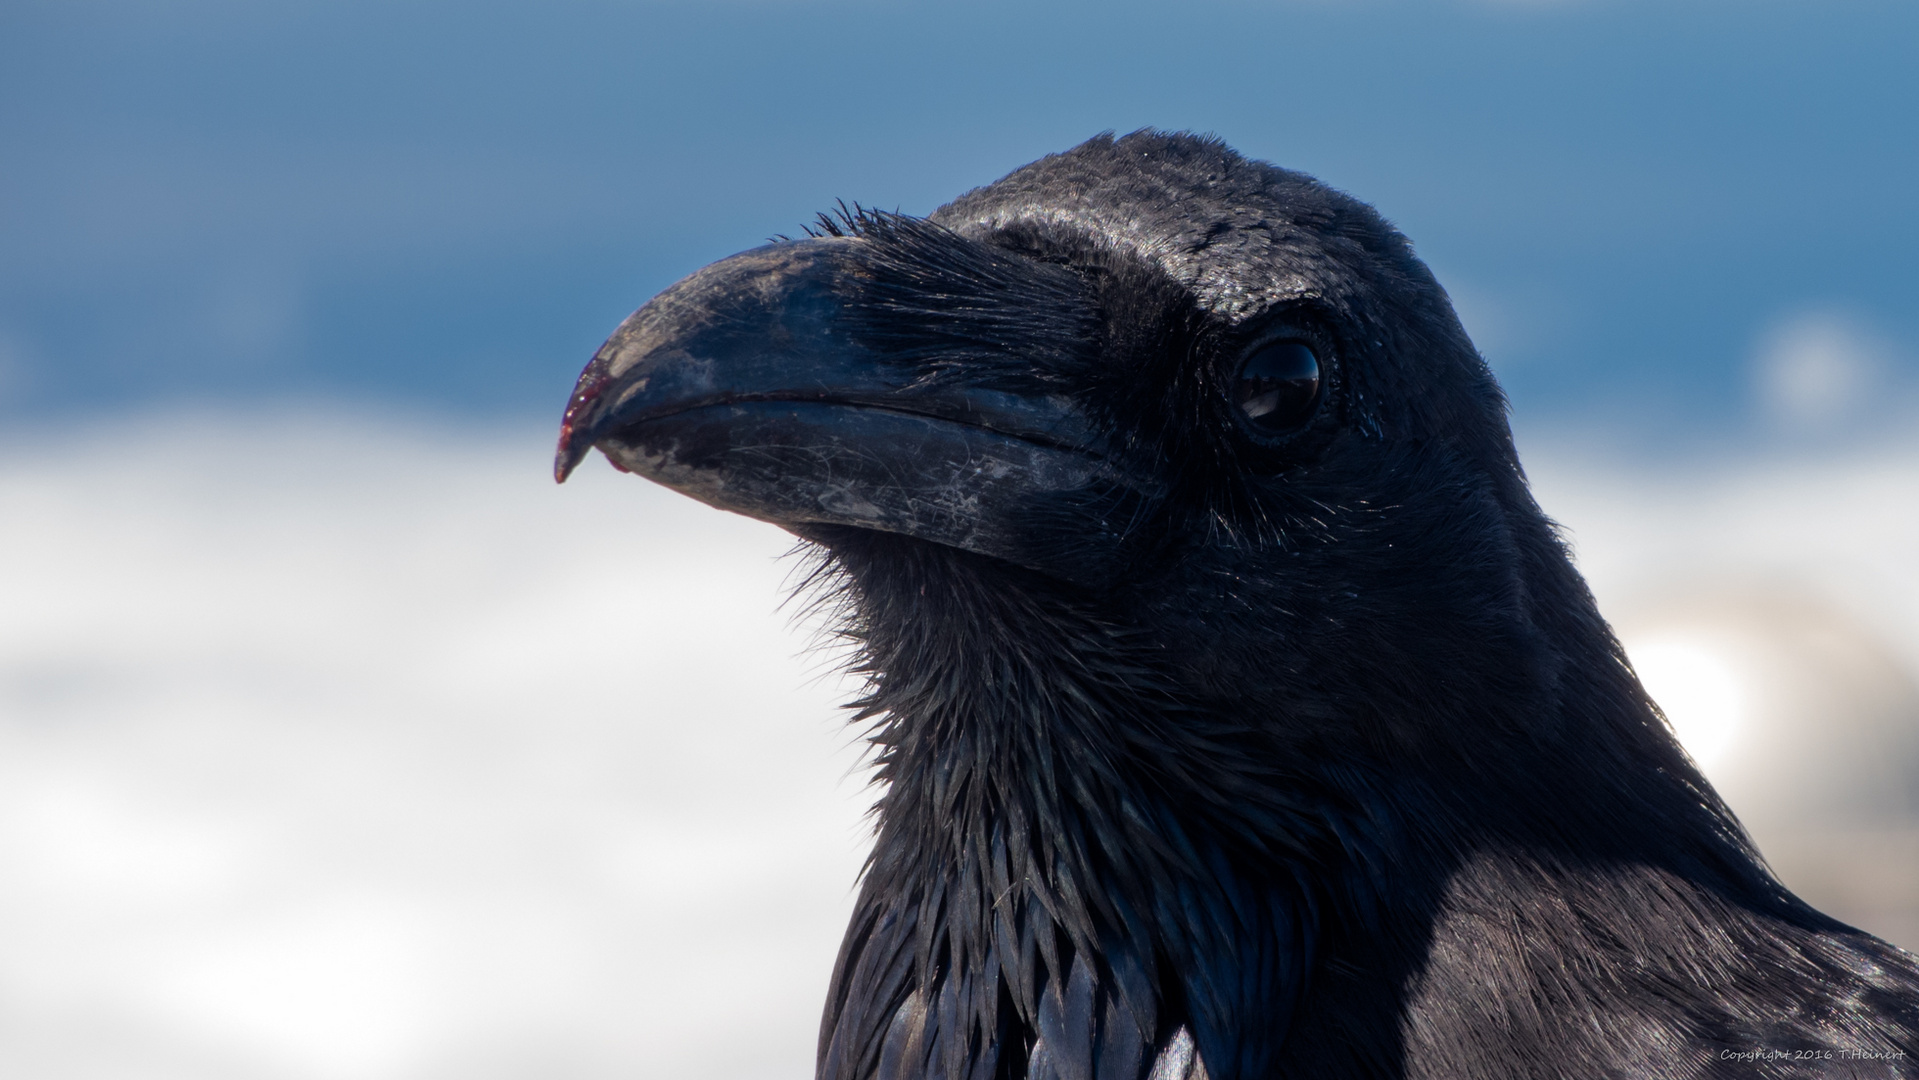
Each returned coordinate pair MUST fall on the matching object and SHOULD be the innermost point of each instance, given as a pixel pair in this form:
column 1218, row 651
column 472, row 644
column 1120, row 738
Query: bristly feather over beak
column 752, row 386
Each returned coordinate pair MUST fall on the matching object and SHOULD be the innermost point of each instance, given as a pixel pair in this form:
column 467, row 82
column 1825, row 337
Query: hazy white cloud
column 1508, row 322
column 252, row 314
column 1818, row 369
column 1488, row 318
column 342, row 750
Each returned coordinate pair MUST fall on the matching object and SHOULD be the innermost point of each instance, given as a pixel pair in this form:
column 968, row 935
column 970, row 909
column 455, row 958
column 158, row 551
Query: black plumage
column 1209, row 747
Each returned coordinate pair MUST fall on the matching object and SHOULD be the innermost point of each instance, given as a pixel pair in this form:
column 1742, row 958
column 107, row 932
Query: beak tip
column 568, row 456
column 579, row 412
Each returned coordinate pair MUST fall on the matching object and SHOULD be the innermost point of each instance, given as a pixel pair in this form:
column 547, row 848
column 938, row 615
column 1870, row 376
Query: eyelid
column 1287, row 330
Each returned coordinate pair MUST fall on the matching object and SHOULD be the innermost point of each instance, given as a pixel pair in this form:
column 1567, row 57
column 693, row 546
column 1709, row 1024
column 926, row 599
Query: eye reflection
column 1278, row 386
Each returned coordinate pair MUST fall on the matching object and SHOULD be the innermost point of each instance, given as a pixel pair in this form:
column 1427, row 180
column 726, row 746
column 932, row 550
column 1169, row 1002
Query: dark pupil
column 1278, row 386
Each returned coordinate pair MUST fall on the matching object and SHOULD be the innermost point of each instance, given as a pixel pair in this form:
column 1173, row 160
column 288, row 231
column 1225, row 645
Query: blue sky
column 443, row 207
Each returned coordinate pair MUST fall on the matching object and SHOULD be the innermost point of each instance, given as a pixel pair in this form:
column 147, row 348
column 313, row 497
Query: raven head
column 1215, row 398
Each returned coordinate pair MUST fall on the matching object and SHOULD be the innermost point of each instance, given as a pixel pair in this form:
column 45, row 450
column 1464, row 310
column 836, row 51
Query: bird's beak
column 747, row 387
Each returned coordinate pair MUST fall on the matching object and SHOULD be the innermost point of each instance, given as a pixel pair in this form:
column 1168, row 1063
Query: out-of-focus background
column 336, row 743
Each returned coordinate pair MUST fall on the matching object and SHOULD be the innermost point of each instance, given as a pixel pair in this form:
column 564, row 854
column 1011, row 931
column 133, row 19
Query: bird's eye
column 1277, row 387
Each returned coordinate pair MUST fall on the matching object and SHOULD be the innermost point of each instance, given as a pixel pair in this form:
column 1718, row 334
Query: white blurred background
column 336, row 748
column 339, row 749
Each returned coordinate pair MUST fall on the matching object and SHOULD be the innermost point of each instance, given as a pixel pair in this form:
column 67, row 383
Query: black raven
column 1238, row 714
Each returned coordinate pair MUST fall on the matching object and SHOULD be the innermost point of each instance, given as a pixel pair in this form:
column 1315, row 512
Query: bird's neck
column 1053, row 791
